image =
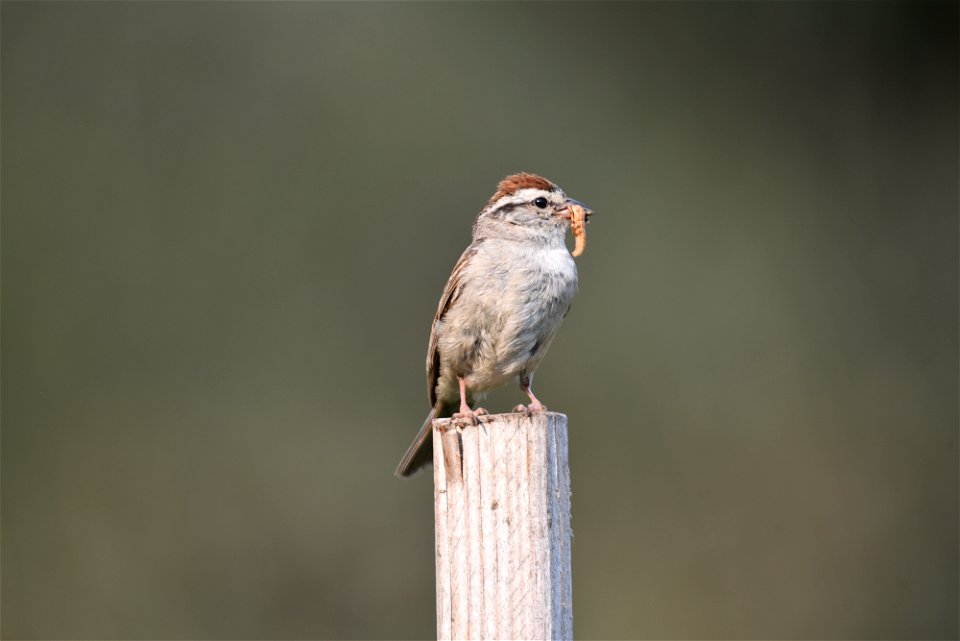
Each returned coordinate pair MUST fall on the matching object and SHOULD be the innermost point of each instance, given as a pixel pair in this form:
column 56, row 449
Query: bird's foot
column 471, row 416
column 529, row 410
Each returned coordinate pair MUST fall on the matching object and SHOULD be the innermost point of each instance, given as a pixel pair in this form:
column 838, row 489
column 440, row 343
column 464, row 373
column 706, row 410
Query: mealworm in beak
column 578, row 219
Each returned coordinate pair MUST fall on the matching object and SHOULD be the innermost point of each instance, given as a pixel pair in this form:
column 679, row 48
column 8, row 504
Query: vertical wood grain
column 502, row 506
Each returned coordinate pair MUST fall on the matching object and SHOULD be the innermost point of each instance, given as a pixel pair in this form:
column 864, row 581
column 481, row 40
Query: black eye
column 540, row 202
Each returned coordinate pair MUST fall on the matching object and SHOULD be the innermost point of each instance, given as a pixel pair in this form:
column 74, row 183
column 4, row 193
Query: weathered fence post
column 502, row 505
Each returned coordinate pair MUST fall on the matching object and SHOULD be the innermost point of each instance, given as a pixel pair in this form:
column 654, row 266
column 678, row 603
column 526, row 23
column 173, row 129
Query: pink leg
column 465, row 411
column 535, row 406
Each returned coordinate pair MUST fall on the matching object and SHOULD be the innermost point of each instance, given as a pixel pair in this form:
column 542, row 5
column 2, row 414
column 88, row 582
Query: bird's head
column 527, row 207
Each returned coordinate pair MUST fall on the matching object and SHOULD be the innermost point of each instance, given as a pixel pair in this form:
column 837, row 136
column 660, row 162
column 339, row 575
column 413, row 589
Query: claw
column 468, row 415
column 530, row 410
column 536, row 407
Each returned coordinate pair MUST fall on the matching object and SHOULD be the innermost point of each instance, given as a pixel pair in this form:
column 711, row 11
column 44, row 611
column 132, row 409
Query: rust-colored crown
column 523, row 180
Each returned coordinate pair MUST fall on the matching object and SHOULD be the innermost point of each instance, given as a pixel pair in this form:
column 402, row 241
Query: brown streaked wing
column 450, row 294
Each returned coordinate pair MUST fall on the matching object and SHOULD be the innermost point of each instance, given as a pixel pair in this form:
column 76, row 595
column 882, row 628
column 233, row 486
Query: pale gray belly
column 499, row 330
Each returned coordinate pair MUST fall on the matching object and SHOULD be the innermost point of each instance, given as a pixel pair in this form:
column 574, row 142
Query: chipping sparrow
column 503, row 303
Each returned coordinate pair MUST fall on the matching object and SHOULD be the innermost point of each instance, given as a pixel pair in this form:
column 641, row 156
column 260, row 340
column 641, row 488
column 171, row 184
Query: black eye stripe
column 503, row 209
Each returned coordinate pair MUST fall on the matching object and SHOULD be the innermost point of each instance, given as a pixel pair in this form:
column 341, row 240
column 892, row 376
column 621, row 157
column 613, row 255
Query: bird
column 503, row 303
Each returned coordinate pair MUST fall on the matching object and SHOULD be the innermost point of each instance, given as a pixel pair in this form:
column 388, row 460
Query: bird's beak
column 566, row 212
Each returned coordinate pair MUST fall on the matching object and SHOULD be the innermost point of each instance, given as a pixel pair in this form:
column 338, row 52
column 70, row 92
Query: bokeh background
column 226, row 226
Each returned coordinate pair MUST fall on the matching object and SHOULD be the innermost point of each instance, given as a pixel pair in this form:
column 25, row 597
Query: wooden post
column 502, row 503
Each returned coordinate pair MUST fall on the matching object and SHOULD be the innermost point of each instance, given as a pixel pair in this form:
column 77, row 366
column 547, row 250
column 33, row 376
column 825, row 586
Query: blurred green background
column 226, row 227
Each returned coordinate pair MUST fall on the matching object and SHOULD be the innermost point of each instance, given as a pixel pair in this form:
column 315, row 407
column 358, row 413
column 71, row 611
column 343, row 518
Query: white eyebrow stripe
column 527, row 195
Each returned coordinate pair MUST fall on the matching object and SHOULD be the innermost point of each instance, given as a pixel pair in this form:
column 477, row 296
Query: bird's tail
column 420, row 451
